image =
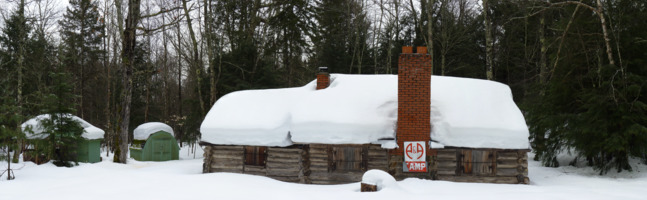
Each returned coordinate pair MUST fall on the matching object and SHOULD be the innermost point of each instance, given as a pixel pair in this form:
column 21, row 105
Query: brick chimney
column 323, row 78
column 414, row 81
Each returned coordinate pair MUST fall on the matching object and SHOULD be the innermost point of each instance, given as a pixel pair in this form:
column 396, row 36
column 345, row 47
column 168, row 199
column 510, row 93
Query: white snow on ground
column 360, row 109
column 145, row 130
column 183, row 179
column 90, row 132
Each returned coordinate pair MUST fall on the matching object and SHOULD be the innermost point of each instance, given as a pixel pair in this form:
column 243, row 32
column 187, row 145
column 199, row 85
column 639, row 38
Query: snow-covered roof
column 90, row 132
column 361, row 109
column 143, row 131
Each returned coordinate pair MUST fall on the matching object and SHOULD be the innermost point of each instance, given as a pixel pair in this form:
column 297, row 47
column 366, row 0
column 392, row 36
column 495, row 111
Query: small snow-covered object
column 379, row 178
column 142, row 132
column 90, row 132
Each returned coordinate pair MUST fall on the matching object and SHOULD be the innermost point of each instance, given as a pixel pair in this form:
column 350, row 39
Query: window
column 348, row 158
column 477, row 162
column 255, row 155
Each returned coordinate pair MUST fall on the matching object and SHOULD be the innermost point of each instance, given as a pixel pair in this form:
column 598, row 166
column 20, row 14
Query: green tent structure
column 154, row 141
column 87, row 151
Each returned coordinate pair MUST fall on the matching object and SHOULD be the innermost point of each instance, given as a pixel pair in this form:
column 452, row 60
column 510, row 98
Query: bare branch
column 162, row 11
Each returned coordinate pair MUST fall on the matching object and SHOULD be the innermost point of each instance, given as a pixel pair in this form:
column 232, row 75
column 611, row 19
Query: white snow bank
column 360, row 109
column 145, row 130
column 379, row 178
column 183, row 179
column 90, row 132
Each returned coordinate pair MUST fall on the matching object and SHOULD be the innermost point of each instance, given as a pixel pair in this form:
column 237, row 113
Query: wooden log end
column 368, row 188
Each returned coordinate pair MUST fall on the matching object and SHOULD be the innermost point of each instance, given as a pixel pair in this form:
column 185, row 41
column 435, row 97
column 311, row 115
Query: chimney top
column 409, row 50
column 421, row 50
column 323, row 69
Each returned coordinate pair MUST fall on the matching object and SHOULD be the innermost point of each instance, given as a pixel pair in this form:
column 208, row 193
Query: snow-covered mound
column 360, row 109
column 379, row 178
column 145, row 130
column 90, row 132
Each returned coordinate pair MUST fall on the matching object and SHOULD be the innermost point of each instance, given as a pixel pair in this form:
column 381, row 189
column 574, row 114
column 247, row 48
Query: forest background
column 577, row 69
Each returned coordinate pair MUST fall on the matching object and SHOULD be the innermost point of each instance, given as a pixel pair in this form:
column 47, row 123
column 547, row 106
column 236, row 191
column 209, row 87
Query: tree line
column 576, row 68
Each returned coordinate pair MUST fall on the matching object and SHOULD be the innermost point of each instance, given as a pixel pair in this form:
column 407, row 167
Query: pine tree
column 9, row 133
column 593, row 108
column 291, row 24
column 14, row 39
column 341, row 34
column 63, row 132
column 81, row 32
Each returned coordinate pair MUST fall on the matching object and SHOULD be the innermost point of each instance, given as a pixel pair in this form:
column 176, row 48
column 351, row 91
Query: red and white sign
column 415, row 156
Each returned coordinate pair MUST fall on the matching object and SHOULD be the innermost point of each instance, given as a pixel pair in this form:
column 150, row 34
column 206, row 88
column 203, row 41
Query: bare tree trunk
column 108, row 71
column 148, row 72
column 209, row 37
column 561, row 42
column 444, row 34
column 9, row 176
column 489, row 51
column 543, row 68
column 81, row 58
column 166, row 92
column 120, row 17
column 196, row 62
column 179, row 84
column 430, row 32
column 127, row 56
column 600, row 12
column 375, row 33
column 20, row 64
column 607, row 40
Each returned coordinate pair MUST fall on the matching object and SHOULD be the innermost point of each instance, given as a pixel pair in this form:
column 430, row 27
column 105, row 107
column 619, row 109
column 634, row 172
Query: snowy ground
column 183, row 179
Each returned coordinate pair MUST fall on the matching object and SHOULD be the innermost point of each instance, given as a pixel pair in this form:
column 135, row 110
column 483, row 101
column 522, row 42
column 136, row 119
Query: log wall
column 325, row 167
column 284, row 164
column 482, row 165
column 337, row 164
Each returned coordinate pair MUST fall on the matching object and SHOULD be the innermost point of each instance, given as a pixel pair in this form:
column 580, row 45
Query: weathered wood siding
column 285, row 164
column 336, row 164
column 482, row 165
column 220, row 158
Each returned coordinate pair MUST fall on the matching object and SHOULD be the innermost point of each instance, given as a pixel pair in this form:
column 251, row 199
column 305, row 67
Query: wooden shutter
column 255, row 155
column 477, row 162
column 348, row 158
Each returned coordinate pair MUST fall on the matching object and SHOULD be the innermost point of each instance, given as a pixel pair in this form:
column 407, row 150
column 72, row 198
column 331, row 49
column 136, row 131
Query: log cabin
column 335, row 128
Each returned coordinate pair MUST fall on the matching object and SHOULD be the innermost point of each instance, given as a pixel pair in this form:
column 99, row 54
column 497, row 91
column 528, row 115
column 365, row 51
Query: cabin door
column 161, row 150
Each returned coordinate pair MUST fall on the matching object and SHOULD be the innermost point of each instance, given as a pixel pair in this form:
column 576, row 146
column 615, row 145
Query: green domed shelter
column 154, row 141
column 87, row 150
